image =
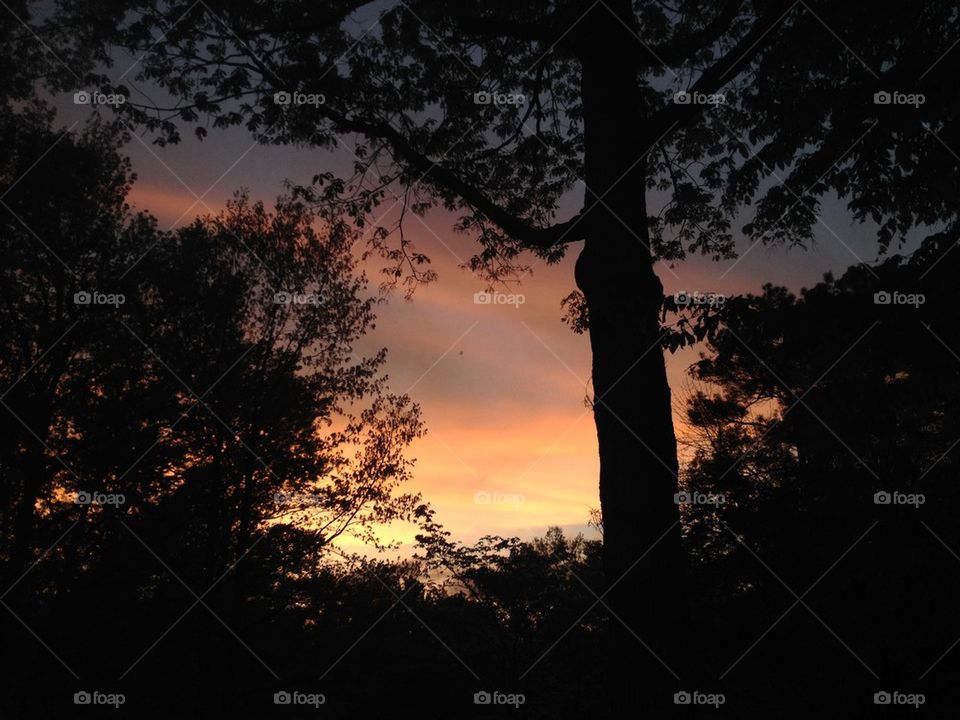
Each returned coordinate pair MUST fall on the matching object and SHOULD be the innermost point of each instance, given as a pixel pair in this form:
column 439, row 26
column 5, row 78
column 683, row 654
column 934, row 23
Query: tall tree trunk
column 643, row 562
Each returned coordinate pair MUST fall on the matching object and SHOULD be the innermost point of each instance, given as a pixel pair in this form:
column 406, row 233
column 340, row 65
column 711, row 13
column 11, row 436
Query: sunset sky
column 502, row 388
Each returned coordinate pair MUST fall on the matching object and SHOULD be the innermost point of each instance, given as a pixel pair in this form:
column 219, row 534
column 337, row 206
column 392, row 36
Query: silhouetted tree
column 63, row 226
column 172, row 401
column 432, row 92
column 531, row 603
column 809, row 406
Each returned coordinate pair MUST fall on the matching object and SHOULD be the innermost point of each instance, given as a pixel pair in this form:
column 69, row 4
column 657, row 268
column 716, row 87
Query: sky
column 510, row 447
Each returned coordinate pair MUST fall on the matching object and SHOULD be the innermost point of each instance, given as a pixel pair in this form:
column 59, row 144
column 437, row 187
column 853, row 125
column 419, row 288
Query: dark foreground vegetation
column 177, row 467
column 189, row 432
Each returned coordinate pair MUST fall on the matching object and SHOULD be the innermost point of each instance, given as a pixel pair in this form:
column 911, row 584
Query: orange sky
column 502, row 388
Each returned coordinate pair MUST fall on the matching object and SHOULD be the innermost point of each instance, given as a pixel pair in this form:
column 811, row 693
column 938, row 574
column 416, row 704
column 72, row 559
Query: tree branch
column 533, row 237
column 548, row 31
column 735, row 61
column 683, row 47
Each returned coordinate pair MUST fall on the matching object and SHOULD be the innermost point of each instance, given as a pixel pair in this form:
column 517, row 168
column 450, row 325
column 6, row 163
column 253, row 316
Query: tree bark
column 643, row 561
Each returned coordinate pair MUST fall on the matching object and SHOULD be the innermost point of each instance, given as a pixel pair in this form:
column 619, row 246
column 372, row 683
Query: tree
column 171, row 401
column 784, row 365
column 61, row 217
column 809, row 406
column 498, row 112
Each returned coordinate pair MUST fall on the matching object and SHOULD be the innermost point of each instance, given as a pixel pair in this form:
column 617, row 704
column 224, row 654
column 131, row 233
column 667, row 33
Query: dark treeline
column 182, row 447
column 188, row 434
column 826, row 422
column 170, row 413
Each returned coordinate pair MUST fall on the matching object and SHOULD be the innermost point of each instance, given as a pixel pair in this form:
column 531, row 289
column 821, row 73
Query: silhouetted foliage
column 810, row 406
column 174, row 404
column 675, row 118
column 188, row 436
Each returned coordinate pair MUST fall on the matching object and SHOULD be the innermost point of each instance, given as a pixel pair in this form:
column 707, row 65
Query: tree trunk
column 643, row 562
